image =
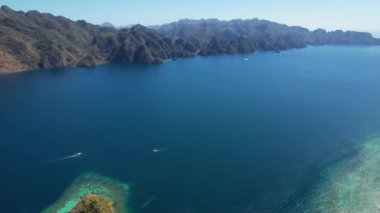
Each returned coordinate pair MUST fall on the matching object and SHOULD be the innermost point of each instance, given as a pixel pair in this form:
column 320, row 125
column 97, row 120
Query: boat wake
column 76, row 155
column 161, row 149
column 147, row 203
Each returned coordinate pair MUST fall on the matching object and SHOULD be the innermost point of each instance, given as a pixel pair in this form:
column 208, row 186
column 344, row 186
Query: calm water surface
column 237, row 136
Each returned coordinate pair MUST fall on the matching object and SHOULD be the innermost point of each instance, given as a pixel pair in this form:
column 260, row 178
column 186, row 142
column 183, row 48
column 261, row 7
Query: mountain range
column 32, row 40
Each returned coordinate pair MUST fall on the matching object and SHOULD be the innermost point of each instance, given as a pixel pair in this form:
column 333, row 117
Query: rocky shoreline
column 33, row 40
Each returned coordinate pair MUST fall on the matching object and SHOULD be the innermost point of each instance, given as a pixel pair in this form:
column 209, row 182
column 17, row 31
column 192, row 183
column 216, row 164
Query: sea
column 295, row 131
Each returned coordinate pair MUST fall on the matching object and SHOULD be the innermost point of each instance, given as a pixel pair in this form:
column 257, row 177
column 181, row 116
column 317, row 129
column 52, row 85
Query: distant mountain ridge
column 107, row 24
column 244, row 36
column 31, row 40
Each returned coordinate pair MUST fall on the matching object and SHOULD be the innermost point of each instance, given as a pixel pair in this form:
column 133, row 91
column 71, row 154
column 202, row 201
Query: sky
column 362, row 15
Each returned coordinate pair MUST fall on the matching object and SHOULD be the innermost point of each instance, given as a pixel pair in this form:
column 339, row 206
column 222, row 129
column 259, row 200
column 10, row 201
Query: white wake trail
column 161, row 149
column 76, row 155
column 147, row 203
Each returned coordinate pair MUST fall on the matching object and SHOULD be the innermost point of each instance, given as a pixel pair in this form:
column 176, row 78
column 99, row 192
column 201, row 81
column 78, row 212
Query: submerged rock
column 352, row 185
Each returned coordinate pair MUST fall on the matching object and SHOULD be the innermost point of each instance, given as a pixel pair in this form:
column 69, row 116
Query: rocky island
column 91, row 193
column 32, row 40
column 92, row 203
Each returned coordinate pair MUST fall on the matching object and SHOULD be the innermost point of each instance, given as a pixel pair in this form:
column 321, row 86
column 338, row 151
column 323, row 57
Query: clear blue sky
column 330, row 14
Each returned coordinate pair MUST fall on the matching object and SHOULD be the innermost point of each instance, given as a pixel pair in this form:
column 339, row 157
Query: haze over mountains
column 31, row 40
column 376, row 34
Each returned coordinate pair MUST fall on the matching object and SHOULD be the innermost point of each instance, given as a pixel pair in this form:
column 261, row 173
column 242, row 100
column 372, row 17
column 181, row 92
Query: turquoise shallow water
column 92, row 183
column 352, row 185
column 263, row 135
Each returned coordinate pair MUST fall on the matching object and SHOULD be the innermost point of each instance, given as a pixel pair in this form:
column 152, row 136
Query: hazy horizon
column 376, row 34
column 329, row 15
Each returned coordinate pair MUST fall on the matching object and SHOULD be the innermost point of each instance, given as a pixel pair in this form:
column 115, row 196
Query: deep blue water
column 242, row 136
